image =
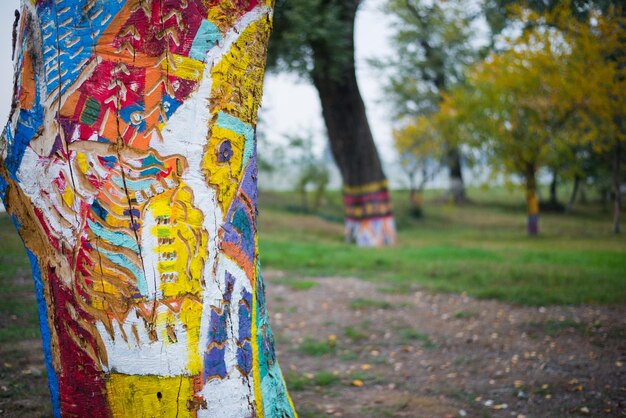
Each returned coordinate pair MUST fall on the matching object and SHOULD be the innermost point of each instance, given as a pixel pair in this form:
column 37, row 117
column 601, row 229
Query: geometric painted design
column 129, row 166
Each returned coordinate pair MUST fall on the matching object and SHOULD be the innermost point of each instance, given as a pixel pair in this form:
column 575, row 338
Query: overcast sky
column 289, row 105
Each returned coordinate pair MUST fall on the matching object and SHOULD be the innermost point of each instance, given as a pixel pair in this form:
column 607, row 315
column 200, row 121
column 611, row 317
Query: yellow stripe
column 366, row 188
column 186, row 68
column 256, row 373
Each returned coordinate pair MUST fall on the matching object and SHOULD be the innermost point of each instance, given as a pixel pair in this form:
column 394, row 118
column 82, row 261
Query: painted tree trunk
column 129, row 168
column 532, row 204
column 367, row 205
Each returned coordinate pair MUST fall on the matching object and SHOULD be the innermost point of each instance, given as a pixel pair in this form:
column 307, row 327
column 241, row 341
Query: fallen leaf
column 358, row 383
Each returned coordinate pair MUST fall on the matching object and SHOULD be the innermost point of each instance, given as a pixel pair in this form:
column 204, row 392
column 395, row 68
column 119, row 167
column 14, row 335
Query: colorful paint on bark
column 532, row 203
column 369, row 218
column 129, row 167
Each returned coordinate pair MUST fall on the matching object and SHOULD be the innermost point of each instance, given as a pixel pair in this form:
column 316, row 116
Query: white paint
column 228, row 398
column 149, row 246
column 144, row 357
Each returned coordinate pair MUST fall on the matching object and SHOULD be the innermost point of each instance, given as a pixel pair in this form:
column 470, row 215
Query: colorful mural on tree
column 369, row 216
column 129, row 168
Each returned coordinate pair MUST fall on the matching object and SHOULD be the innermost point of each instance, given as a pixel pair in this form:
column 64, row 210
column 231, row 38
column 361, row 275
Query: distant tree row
column 517, row 86
column 547, row 90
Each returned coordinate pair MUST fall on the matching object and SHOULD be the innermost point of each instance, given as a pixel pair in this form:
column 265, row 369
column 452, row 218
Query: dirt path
column 435, row 355
column 350, row 349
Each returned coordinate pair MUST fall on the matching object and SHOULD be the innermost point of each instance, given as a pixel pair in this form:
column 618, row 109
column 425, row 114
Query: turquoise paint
column 123, row 261
column 207, row 36
column 133, row 185
column 151, row 160
column 273, row 389
column 232, row 123
column 117, row 238
column 275, row 400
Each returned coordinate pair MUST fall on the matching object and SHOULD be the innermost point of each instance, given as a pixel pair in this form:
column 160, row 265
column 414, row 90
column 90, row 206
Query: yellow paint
column 224, row 176
column 137, row 396
column 533, row 203
column 238, row 77
column 256, row 372
column 182, row 244
column 376, row 186
column 184, row 67
column 68, row 196
column 81, row 159
column 190, row 315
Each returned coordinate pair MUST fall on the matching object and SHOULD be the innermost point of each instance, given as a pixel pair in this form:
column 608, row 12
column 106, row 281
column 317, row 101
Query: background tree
column 419, row 146
column 434, row 43
column 129, row 169
column 315, row 39
column 551, row 90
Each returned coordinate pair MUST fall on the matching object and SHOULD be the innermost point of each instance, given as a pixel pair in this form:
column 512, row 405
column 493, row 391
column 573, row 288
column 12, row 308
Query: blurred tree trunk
column 617, row 187
column 368, row 215
column 129, row 168
column 572, row 198
column 532, row 201
column 554, row 199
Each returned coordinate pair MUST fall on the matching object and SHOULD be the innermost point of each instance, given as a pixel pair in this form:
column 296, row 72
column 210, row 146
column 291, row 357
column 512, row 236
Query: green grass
column 18, row 309
column 314, row 348
column 423, row 339
column 361, row 304
column 298, row 284
column 355, row 334
column 323, row 378
column 481, row 249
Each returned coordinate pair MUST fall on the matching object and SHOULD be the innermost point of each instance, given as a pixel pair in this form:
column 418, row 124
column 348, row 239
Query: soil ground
column 350, row 348
column 420, row 354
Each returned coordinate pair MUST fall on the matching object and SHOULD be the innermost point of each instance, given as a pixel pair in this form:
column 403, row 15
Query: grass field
column 480, row 249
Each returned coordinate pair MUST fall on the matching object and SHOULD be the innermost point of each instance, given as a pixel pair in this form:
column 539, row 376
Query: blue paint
column 99, row 210
column 3, row 188
column 151, row 160
column 208, row 35
column 108, row 161
column 53, row 381
column 28, row 123
column 244, row 357
column 218, row 327
column 232, row 123
column 123, row 261
column 127, row 111
column 214, row 364
column 170, row 105
column 76, row 29
column 117, row 238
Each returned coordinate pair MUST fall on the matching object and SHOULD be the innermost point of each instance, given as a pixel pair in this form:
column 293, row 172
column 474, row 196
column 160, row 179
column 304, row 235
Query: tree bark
column 617, row 187
column 457, row 185
column 572, row 198
column 368, row 215
column 129, row 168
column 532, row 202
column 554, row 200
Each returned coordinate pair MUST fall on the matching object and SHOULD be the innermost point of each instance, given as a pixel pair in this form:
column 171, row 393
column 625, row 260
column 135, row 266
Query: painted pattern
column 368, row 215
column 130, row 171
